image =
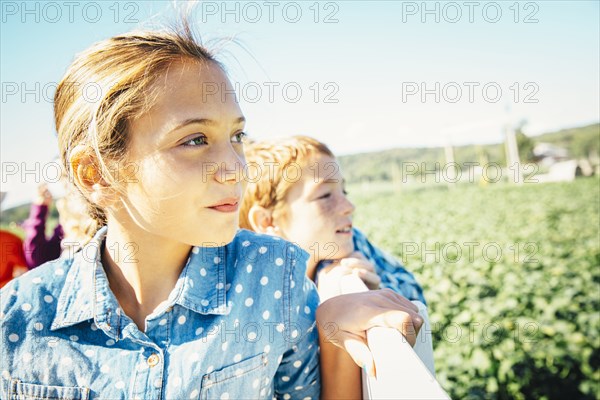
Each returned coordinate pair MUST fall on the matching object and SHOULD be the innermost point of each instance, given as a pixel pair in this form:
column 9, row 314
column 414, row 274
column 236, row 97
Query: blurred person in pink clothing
column 72, row 231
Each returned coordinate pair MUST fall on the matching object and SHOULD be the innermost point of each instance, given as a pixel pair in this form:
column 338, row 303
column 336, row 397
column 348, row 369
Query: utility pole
column 450, row 165
column 513, row 163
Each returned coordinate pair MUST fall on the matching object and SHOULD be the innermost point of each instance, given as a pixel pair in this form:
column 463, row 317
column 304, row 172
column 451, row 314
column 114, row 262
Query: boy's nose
column 347, row 206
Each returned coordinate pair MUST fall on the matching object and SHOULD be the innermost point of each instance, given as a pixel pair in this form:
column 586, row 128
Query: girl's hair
column 272, row 158
column 111, row 83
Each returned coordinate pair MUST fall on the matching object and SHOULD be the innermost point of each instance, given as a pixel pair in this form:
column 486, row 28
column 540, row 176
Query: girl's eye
column 325, row 196
column 197, row 141
column 239, row 137
column 345, row 192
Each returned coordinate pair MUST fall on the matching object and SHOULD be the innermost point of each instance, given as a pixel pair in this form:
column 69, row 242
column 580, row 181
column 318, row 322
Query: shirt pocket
column 243, row 380
column 31, row 391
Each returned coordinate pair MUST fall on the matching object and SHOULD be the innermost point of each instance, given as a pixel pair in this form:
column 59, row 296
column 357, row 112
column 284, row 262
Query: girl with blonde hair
column 169, row 299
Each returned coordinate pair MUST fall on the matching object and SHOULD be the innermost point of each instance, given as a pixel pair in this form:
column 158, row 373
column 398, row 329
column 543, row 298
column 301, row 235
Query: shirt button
column 153, row 360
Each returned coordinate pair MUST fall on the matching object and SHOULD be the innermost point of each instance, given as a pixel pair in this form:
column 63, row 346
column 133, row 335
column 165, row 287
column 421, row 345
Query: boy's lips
column 229, row 204
column 345, row 229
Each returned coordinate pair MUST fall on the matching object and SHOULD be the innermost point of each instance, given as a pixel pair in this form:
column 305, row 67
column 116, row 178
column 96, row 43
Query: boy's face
column 316, row 213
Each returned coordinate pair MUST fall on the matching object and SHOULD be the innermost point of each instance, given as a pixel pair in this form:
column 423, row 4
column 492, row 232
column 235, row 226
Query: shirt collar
column 86, row 294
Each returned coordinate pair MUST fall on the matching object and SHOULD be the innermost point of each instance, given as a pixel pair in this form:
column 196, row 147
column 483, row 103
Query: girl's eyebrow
column 204, row 121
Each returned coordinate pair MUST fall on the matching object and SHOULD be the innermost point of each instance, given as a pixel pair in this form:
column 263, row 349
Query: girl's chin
column 216, row 239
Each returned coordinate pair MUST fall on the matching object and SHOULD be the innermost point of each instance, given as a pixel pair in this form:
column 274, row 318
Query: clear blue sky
column 368, row 58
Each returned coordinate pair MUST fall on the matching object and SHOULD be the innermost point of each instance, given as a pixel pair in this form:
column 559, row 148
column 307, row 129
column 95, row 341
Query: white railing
column 403, row 372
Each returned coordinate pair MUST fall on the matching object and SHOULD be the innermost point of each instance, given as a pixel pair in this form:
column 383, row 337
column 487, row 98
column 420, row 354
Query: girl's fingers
column 369, row 309
column 357, row 348
column 407, row 323
column 387, row 298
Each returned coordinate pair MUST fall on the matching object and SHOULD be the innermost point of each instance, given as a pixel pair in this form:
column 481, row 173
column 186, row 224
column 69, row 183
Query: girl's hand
column 344, row 320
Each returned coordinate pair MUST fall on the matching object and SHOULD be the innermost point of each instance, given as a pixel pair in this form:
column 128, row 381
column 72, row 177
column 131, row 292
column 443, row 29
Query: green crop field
column 512, row 278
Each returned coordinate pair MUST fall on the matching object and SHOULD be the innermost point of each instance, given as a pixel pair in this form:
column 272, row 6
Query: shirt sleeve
column 298, row 375
column 393, row 274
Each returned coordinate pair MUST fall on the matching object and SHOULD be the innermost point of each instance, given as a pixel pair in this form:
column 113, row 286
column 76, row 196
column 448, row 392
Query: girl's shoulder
column 271, row 265
column 36, row 292
column 257, row 247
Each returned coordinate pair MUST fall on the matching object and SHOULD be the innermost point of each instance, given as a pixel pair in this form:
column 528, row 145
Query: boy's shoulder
column 375, row 254
column 392, row 272
column 361, row 243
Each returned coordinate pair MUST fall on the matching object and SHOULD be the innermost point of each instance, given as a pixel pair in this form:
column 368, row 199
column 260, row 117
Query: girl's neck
column 142, row 268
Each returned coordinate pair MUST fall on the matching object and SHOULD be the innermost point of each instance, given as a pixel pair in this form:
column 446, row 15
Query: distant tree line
column 582, row 142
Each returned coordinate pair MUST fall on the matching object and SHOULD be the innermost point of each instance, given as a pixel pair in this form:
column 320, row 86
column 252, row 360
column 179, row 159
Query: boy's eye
column 239, row 137
column 197, row 141
column 345, row 192
column 326, row 195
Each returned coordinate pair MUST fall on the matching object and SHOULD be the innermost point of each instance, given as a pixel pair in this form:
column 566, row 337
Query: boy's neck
column 311, row 268
column 142, row 269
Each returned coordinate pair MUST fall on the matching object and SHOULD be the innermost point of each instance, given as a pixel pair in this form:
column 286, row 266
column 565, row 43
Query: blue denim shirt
column 393, row 275
column 231, row 329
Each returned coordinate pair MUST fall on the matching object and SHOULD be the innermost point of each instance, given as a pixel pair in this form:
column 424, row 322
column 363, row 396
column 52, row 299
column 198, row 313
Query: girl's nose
column 231, row 167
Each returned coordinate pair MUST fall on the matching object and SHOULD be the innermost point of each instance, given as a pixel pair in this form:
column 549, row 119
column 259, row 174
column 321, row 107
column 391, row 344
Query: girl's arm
column 346, row 318
column 340, row 376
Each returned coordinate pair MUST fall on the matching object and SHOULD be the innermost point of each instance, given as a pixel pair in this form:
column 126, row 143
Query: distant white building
column 547, row 154
column 562, row 171
column 560, row 167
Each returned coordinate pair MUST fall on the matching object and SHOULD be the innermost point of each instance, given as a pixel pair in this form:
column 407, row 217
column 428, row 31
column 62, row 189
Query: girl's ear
column 261, row 220
column 88, row 176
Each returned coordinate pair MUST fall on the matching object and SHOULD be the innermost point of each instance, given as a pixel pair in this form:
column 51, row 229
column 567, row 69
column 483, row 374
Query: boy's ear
column 88, row 176
column 261, row 219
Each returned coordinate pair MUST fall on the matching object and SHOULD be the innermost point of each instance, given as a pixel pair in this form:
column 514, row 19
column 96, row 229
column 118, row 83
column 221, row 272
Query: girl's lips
column 227, row 208
column 229, row 204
